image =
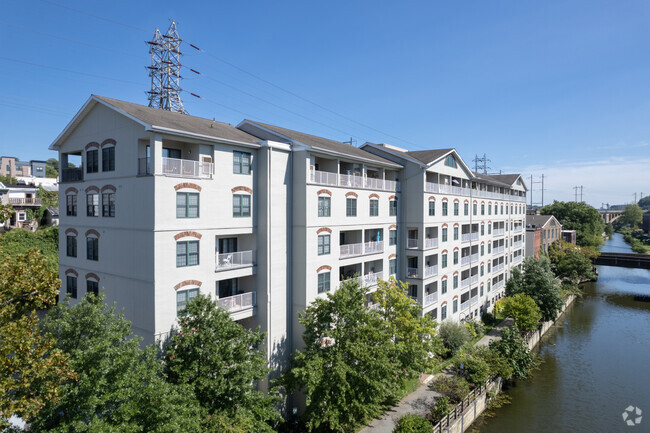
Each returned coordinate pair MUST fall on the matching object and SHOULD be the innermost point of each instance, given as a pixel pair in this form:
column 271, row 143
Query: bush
column 475, row 327
column 489, row 318
column 412, row 423
column 472, row 367
column 453, row 387
column 454, row 335
column 440, row 410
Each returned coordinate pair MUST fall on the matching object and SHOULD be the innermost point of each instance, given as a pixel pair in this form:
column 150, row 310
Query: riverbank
column 638, row 241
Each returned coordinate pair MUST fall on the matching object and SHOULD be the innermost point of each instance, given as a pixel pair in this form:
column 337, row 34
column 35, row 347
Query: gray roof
column 537, row 220
column 180, row 122
column 53, row 210
column 491, row 179
column 321, row 143
column 427, row 156
column 506, row 178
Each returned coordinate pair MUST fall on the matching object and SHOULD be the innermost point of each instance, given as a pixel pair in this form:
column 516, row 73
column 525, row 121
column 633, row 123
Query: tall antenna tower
column 165, row 70
column 481, row 163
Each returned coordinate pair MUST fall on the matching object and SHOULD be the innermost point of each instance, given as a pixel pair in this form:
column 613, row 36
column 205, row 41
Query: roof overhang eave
column 346, row 156
column 181, row 133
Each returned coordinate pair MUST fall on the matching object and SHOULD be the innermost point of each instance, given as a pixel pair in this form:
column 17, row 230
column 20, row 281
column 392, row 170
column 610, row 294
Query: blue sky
column 560, row 88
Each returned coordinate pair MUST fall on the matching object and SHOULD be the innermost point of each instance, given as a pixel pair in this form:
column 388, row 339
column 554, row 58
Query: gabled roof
column 490, row 179
column 163, row 121
column 539, row 220
column 313, row 141
column 428, row 156
column 510, row 179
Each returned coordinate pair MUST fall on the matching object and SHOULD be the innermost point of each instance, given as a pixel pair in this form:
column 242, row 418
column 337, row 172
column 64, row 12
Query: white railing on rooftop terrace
column 353, row 181
column 431, row 298
column 498, row 232
column 430, row 243
column 464, row 283
column 431, row 271
column 234, row 260
column 464, row 305
column 371, row 279
column 350, row 250
column 412, row 272
column 239, row 302
column 411, row 243
column 187, row 168
column 374, row 247
column 433, row 187
column 25, row 201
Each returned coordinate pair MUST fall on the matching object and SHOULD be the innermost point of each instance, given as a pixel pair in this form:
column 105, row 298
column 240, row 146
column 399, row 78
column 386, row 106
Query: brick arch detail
column 242, row 188
column 392, row 256
column 445, row 199
column 324, row 191
column 71, row 230
column 349, row 194
column 108, row 188
column 432, row 198
column 392, row 226
column 324, row 268
column 92, row 189
column 187, row 283
column 71, row 190
column 108, row 141
column 455, row 273
column 475, row 202
column 324, row 229
column 445, row 225
column 373, row 195
column 188, row 185
column 456, row 200
column 92, row 144
column 456, row 224
column 92, row 232
column 444, row 277
column 455, row 297
column 444, row 251
column 91, row 275
column 466, row 201
column 443, row 304
column 392, row 197
column 456, row 248
column 187, row 233
column 72, row 272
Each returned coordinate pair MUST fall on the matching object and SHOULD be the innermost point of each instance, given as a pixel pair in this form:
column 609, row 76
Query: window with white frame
column 92, row 204
column 71, row 205
column 350, row 207
column 92, row 248
column 392, row 237
column 71, row 246
column 108, row 204
column 71, row 286
column 374, row 207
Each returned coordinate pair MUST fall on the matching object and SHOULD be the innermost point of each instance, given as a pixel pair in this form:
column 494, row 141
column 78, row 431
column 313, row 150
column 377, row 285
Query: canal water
column 596, row 362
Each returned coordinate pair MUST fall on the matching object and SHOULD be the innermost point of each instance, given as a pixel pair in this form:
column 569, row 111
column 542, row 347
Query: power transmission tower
column 481, row 163
column 165, row 70
column 532, row 188
column 575, row 188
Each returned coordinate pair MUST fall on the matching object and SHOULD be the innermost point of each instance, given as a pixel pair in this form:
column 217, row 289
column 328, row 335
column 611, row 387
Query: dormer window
column 450, row 161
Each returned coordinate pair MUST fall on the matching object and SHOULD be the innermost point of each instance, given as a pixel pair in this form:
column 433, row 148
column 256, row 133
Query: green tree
column 644, row 203
column 20, row 241
column 8, row 180
column 221, row 361
column 412, row 423
column 454, row 335
column 512, row 347
column 632, row 216
column 48, row 198
column 571, row 262
column 415, row 337
column 120, row 387
column 31, row 368
column 346, row 370
column 51, row 168
column 455, row 388
column 582, row 218
column 522, row 308
column 537, row 281
column 6, row 211
column 471, row 365
column 440, row 410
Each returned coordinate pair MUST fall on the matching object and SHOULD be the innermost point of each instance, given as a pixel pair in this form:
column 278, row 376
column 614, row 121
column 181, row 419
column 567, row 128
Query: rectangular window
column 323, row 244
column 455, row 257
column 71, row 205
column 92, row 249
column 92, row 161
column 444, row 287
column 482, row 250
column 71, row 246
column 481, row 291
column 455, row 306
column 444, row 260
column 474, row 209
column 187, row 205
column 92, row 205
column 456, row 208
column 443, row 312
column 71, row 286
column 324, row 206
column 432, row 208
column 392, row 267
column 183, row 297
column 489, row 248
column 444, row 234
column 489, row 228
column 374, row 207
column 92, row 287
column 466, row 209
column 392, row 208
column 187, row 253
column 482, row 229
column 482, row 270
column 241, row 205
column 444, row 208
column 455, row 233
column 108, row 159
column 241, row 162
column 482, row 209
column 392, row 237
column 489, row 268
column 108, row 204
column 350, row 207
column 455, row 281
column 489, row 209
column 324, row 282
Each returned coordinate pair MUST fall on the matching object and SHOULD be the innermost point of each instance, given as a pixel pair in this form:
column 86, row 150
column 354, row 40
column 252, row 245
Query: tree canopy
column 522, row 308
column 582, row 218
column 571, row 262
column 644, row 203
column 537, row 281
column 20, row 241
column 632, row 216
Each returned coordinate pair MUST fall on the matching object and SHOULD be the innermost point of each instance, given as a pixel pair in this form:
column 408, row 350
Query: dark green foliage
column 51, row 168
column 512, row 348
column 632, row 216
column 453, row 387
column 8, row 180
column 48, row 198
column 19, row 241
column 454, row 335
column 440, row 410
column 120, row 388
column 475, row 327
column 412, row 423
column 644, row 203
column 538, row 282
column 571, row 262
column 471, row 366
column 609, row 229
column 582, row 218
column 219, row 360
column 522, row 308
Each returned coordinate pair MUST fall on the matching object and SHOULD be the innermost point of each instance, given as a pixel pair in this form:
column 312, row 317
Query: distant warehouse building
column 550, row 231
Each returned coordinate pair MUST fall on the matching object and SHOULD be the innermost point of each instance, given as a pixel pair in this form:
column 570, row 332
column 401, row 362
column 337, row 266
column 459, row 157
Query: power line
column 108, row 20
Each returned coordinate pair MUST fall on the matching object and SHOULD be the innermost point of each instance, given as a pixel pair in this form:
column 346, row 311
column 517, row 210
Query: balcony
column 518, row 244
column 498, row 284
column 431, row 271
column 497, row 268
column 239, row 306
column 465, row 237
column 239, row 259
column 517, row 259
column 411, row 243
column 475, row 257
column 464, row 283
column 178, row 168
column 431, row 298
column 430, row 243
column 474, row 236
column 351, row 250
column 353, row 181
column 474, row 278
column 498, row 232
column 474, row 300
column 517, row 229
column 431, row 187
column 464, row 305
column 371, row 279
column 374, row 247
column 498, row 250
column 24, row 201
column 464, row 260
column 412, row 272
column 72, row 175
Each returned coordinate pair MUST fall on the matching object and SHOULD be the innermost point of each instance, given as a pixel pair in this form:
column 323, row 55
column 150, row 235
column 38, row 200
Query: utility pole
column 542, row 189
column 580, row 193
column 575, row 189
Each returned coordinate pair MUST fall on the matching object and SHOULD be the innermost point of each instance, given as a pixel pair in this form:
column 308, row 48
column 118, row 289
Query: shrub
column 489, row 318
column 523, row 309
column 454, row 335
column 476, row 327
column 453, row 387
column 472, row 367
column 440, row 410
column 412, row 423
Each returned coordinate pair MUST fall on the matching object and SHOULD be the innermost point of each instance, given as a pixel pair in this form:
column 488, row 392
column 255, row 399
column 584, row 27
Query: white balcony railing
column 411, row 243
column 371, row 279
column 464, row 283
column 431, row 187
column 474, row 300
column 24, row 201
column 498, row 250
column 431, row 271
column 374, row 247
column 324, row 178
column 464, row 305
column 474, row 278
column 430, row 243
column 353, row 181
column 517, row 229
column 465, row 237
column 239, row 302
column 464, row 260
column 475, row 236
column 350, row 250
column 497, row 268
column 412, row 272
column 431, row 298
column 498, row 232
column 475, row 257
column 239, row 259
column 517, row 259
column 518, row 244
column 187, row 168
column 498, row 284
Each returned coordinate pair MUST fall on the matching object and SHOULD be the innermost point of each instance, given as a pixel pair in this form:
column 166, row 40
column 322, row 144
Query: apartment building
column 266, row 219
column 550, row 231
column 22, row 199
column 10, row 166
